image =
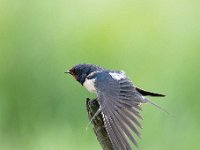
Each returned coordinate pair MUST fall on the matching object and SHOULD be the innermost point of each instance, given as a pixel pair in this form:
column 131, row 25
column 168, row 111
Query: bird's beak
column 67, row 71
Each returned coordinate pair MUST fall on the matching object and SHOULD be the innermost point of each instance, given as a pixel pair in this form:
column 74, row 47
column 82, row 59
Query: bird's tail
column 157, row 106
column 146, row 93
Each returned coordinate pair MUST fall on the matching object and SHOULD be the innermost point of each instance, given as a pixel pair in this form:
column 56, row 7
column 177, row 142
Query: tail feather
column 146, row 93
column 164, row 110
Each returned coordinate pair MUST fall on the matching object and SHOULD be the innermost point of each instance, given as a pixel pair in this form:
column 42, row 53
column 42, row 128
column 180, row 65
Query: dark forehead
column 81, row 66
column 86, row 66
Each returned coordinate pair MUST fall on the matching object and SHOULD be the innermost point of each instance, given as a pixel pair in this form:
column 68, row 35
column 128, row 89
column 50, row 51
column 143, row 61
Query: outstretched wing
column 120, row 104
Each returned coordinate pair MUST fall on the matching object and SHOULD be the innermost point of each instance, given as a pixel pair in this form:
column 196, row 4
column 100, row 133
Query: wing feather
column 131, row 116
column 116, row 130
column 110, row 131
column 121, row 133
column 129, row 123
column 126, row 130
column 120, row 105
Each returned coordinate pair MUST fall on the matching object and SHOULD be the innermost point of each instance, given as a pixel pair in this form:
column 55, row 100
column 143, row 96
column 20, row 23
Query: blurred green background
column 156, row 42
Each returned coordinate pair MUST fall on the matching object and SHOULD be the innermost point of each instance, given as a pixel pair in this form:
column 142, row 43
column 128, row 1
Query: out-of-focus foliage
column 155, row 42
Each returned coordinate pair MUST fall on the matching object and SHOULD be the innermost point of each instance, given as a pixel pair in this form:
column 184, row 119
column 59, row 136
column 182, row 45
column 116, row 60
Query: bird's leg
column 96, row 113
column 98, row 124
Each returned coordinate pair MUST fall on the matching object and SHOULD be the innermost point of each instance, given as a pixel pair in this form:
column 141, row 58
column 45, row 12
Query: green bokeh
column 156, row 42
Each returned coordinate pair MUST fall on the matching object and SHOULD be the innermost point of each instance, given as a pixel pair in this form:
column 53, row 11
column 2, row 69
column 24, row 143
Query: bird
column 119, row 102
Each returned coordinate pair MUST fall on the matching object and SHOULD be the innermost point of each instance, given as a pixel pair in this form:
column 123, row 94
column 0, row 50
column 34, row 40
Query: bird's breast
column 89, row 84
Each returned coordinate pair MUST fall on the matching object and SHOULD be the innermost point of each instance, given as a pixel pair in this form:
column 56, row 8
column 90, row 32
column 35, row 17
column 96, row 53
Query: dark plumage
column 119, row 101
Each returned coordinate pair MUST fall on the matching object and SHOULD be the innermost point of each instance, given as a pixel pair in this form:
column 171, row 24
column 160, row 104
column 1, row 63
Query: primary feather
column 119, row 103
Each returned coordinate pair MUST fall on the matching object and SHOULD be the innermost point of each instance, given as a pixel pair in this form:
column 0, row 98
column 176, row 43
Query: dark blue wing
column 120, row 104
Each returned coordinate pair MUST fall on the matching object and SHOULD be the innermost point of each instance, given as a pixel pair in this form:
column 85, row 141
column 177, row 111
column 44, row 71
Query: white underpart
column 118, row 76
column 89, row 85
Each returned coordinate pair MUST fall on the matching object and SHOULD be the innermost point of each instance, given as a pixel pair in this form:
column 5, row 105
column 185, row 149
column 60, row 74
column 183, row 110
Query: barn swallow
column 119, row 100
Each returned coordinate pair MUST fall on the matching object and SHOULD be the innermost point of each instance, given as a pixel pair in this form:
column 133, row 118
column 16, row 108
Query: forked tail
column 146, row 93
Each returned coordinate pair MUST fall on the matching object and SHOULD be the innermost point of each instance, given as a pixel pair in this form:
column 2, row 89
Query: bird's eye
column 76, row 71
column 72, row 71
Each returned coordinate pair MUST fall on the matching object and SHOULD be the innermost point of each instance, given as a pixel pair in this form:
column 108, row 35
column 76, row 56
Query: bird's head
column 81, row 71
